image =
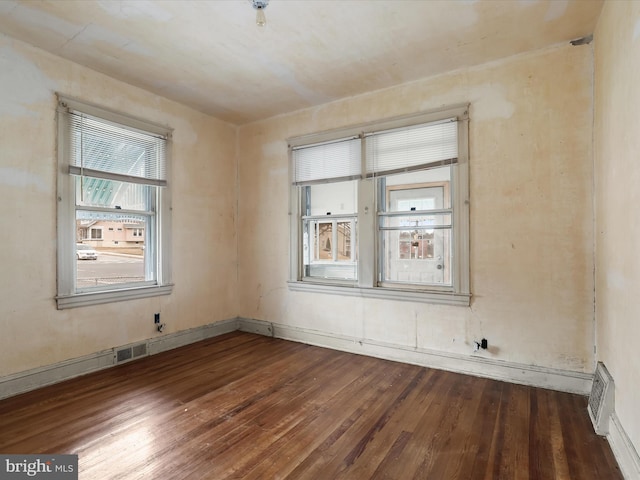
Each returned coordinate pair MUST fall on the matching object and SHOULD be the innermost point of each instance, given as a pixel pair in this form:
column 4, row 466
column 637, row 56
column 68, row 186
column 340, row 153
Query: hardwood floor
column 251, row 407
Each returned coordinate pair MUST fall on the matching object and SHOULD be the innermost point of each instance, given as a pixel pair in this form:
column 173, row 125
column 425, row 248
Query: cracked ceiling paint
column 211, row 56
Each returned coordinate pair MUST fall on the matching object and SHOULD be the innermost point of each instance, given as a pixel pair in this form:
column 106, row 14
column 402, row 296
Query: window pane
column 111, row 250
column 322, row 235
column 424, row 190
column 418, row 257
column 98, row 192
column 330, row 248
column 416, row 247
column 332, row 198
column 329, row 243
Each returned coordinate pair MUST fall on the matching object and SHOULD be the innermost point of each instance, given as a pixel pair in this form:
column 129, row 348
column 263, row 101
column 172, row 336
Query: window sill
column 422, row 296
column 97, row 298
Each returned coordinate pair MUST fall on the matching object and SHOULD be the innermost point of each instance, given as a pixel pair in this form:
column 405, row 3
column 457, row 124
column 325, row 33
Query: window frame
column 68, row 295
column 368, row 284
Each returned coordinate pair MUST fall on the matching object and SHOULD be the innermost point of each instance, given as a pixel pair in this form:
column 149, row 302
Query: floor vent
column 601, row 400
column 129, row 353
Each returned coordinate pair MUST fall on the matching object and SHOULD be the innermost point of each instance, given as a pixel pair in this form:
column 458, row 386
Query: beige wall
column 617, row 167
column 32, row 331
column 531, row 215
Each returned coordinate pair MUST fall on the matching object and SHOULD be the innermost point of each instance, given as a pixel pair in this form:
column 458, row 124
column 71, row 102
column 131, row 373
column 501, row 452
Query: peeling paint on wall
column 514, row 297
column 490, row 102
column 23, row 84
column 203, row 182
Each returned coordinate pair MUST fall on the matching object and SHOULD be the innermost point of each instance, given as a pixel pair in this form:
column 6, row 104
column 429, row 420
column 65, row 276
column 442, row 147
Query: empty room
column 319, row 239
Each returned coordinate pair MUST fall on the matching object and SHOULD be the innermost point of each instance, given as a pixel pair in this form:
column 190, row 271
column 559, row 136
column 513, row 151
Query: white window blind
column 332, row 161
column 409, row 148
column 102, row 149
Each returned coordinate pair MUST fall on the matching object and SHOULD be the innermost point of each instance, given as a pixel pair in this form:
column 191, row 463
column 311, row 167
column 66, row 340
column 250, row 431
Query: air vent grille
column 123, row 355
column 129, row 353
column 597, row 390
column 139, row 350
column 601, row 399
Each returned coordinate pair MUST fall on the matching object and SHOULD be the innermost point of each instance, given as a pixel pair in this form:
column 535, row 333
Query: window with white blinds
column 410, row 148
column 390, row 217
column 327, row 162
column 114, row 201
column 396, row 150
column 101, row 149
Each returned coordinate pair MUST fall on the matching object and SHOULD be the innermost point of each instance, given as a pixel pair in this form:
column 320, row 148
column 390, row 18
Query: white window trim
column 459, row 293
column 67, row 296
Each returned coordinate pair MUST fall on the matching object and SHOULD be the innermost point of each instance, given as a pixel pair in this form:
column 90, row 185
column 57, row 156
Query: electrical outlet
column 156, row 318
column 482, row 344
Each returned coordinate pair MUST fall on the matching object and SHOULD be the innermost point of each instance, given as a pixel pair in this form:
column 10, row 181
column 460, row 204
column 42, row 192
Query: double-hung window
column 382, row 209
column 112, row 176
column 327, row 177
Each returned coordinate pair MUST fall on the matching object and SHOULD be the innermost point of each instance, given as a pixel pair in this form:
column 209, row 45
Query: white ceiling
column 209, row 54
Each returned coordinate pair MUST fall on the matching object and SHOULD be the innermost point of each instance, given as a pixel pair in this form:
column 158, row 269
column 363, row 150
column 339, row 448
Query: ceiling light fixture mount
column 260, row 5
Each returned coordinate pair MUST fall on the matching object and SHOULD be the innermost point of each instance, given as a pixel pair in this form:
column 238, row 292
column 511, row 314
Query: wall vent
column 129, row 353
column 123, row 355
column 601, row 399
column 139, row 350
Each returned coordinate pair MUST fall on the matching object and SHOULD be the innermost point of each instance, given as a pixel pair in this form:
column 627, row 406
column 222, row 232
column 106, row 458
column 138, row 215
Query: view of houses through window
column 119, row 244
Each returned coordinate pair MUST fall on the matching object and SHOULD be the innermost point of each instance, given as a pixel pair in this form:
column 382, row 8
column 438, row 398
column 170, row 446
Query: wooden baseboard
column 186, row 337
column 623, row 449
column 39, row 377
column 256, row 326
column 555, row 379
column 42, row 376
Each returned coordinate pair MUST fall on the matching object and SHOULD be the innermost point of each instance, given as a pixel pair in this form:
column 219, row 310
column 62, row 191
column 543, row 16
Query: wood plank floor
column 250, row 407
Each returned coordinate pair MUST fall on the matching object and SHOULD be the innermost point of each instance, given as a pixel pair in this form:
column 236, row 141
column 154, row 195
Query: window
column 325, row 174
column 382, row 209
column 329, row 227
column 112, row 170
column 96, row 234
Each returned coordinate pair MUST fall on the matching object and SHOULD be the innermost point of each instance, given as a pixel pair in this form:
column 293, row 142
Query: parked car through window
column 85, row 252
